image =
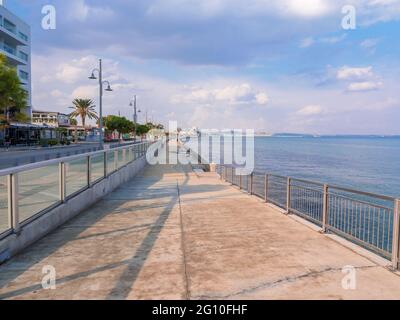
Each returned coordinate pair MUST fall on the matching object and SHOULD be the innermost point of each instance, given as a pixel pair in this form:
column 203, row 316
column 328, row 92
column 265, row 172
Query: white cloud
column 364, row 86
column 56, row 93
column 359, row 79
column 348, row 73
column 382, row 2
column 333, row 40
column 310, row 110
column 307, row 42
column 69, row 74
column 262, row 98
column 80, row 11
column 85, row 92
column 306, row 8
column 369, row 43
column 232, row 94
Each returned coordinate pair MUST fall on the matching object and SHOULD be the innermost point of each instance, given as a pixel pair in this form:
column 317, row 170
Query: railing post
column 63, row 181
column 232, row 175
column 89, row 171
column 13, row 207
column 105, row 164
column 289, row 182
column 396, row 234
column 240, row 182
column 225, row 173
column 266, row 188
column 251, row 183
column 325, row 209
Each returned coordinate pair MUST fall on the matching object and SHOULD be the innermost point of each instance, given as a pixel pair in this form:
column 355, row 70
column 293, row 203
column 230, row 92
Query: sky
column 268, row 65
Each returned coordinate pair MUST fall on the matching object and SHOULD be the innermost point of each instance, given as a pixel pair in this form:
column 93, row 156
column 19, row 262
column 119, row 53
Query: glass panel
column 130, row 159
column 76, row 175
column 4, row 223
column 110, row 161
column 97, row 162
column 120, row 158
column 38, row 190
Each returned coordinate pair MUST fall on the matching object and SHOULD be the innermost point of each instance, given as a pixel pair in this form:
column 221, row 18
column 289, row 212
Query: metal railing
column 367, row 219
column 29, row 191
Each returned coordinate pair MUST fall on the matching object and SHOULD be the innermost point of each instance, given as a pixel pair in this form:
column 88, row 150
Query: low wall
column 56, row 217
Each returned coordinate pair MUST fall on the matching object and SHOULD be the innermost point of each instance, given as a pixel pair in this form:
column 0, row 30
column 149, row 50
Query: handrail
column 59, row 175
column 345, row 189
column 41, row 164
column 363, row 193
column 367, row 222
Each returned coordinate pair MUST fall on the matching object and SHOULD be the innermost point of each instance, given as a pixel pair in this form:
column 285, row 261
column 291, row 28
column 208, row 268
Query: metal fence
column 370, row 220
column 27, row 192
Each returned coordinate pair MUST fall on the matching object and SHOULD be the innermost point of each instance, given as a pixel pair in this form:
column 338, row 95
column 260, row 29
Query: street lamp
column 135, row 112
column 108, row 89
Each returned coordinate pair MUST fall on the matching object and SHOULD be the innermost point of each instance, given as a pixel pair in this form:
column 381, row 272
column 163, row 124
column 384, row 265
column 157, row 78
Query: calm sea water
column 368, row 164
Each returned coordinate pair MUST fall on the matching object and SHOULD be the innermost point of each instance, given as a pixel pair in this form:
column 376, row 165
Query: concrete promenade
column 172, row 233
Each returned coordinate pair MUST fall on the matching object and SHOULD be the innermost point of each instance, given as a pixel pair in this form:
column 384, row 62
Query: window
column 9, row 49
column 23, row 36
column 9, row 26
column 23, row 75
column 23, row 56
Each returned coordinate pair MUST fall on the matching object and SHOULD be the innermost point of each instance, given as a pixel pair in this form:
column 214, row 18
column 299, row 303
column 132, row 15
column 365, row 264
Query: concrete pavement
column 172, row 233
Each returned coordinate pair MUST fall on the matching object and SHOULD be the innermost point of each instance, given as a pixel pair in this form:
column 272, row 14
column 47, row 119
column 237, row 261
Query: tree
column 119, row 124
column 13, row 98
column 83, row 108
column 74, row 123
column 142, row 129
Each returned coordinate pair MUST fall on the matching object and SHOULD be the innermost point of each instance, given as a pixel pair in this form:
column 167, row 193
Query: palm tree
column 83, row 108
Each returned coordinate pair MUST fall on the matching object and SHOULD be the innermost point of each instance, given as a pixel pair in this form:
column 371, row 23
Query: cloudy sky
column 272, row 65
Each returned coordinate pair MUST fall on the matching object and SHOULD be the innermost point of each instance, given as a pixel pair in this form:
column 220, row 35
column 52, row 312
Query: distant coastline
column 299, row 135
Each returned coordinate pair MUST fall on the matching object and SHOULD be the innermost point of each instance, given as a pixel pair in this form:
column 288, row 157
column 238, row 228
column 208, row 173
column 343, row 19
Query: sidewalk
column 175, row 234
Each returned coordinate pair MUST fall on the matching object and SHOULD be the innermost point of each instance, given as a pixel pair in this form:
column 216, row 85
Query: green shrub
column 53, row 142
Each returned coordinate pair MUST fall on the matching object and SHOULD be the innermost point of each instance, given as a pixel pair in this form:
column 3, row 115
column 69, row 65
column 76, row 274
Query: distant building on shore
column 50, row 118
column 15, row 44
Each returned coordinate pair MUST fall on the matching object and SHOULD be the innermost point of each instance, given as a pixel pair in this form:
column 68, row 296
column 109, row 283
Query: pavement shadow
column 41, row 249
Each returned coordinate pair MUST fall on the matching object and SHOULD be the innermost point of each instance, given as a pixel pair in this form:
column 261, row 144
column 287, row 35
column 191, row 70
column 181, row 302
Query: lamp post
column 101, row 83
column 135, row 112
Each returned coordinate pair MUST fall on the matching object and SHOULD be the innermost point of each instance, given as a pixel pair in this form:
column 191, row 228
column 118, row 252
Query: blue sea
column 364, row 163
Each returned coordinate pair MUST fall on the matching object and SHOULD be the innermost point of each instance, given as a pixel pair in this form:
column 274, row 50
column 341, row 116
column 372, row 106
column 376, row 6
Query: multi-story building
column 51, row 119
column 15, row 44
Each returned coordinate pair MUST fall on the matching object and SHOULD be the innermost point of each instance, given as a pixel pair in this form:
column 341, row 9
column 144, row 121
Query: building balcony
column 11, row 54
column 12, row 37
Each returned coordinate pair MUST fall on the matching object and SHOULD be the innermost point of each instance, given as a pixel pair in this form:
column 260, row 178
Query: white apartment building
column 15, row 44
column 50, row 118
